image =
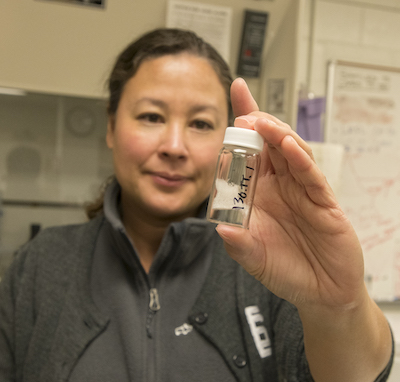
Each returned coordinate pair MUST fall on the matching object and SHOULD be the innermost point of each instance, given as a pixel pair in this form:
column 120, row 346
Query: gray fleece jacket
column 49, row 319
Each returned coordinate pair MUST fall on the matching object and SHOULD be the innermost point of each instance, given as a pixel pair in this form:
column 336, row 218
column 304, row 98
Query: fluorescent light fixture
column 12, row 91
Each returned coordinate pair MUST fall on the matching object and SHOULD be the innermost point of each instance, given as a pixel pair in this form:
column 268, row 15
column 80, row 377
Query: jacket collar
column 182, row 243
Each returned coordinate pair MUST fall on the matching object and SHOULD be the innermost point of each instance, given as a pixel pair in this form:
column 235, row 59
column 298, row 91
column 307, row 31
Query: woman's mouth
column 168, row 180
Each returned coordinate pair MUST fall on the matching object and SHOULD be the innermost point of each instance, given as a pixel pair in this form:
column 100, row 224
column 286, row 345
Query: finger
column 240, row 246
column 274, row 131
column 273, row 134
column 271, row 154
column 306, row 172
column 271, row 128
column 241, row 98
column 246, row 109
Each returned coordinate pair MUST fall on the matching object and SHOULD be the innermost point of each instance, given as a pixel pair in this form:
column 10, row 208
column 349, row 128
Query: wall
column 282, row 59
column 360, row 31
column 69, row 49
column 53, row 158
column 364, row 31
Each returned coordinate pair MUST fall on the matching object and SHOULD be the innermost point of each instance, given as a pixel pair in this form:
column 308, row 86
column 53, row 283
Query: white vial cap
column 239, row 136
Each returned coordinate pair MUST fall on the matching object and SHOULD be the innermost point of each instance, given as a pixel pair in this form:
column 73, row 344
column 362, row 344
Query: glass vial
column 235, row 180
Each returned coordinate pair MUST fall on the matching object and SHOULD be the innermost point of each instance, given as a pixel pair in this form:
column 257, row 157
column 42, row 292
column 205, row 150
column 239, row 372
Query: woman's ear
column 110, row 131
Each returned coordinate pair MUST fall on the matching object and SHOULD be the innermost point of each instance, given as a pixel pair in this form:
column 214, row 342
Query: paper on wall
column 210, row 22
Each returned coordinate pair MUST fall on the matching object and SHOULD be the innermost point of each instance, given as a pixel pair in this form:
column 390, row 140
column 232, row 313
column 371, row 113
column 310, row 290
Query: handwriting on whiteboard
column 365, row 119
column 368, row 81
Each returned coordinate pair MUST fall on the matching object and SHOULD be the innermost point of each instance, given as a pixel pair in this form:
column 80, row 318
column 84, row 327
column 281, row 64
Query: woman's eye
column 151, row 117
column 202, row 125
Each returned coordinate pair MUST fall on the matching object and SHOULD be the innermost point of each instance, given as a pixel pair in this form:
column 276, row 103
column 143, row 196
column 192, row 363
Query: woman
column 146, row 290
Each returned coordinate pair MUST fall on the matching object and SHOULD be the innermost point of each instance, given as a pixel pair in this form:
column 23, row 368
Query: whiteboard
column 363, row 114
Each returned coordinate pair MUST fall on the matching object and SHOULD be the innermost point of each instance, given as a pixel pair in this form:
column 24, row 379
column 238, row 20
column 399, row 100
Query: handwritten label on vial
column 244, row 184
column 231, row 195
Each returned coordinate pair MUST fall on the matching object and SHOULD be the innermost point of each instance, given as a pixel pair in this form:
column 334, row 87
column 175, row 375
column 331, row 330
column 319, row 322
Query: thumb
column 241, row 98
column 240, row 246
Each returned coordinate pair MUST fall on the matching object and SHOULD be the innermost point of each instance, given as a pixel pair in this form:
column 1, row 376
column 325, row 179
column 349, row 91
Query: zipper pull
column 154, row 304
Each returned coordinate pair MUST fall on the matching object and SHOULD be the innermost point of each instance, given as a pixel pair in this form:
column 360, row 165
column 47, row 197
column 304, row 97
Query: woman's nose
column 173, row 144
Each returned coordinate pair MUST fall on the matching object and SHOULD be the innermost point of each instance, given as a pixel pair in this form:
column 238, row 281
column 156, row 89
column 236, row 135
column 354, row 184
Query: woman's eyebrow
column 154, row 101
column 164, row 105
column 206, row 107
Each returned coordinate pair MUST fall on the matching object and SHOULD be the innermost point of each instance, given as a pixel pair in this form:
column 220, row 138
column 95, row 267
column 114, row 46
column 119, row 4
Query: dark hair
column 161, row 42
column 158, row 43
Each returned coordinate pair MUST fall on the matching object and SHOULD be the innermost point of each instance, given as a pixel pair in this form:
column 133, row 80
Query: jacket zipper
column 154, row 307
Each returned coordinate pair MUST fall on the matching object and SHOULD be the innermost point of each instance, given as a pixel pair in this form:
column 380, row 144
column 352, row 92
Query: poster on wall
column 210, row 22
column 92, row 3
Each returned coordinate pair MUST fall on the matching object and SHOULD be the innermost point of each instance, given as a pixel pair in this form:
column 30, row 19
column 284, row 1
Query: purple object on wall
column 309, row 119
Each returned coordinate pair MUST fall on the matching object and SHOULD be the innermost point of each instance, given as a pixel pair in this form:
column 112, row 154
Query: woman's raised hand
column 300, row 244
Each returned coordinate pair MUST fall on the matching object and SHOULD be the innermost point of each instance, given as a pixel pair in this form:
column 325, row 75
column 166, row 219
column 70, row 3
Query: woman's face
column 166, row 135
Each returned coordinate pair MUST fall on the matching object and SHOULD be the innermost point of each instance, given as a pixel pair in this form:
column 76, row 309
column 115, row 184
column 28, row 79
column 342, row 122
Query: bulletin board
column 363, row 114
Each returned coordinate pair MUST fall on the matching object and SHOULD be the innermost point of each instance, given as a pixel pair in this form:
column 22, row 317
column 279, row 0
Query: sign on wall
column 253, row 36
column 210, row 22
column 93, row 3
